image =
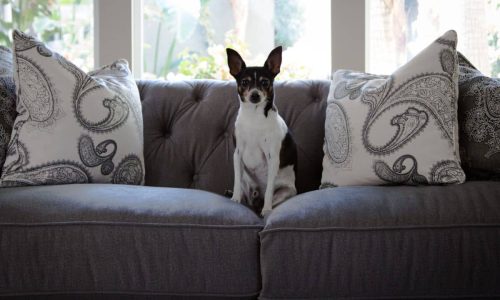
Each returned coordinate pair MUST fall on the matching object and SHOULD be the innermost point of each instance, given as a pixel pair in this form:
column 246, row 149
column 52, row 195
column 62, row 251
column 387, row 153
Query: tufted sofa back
column 188, row 129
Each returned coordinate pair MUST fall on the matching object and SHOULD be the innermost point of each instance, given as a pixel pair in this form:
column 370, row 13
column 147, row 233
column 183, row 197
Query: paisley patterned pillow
column 479, row 119
column 397, row 129
column 7, row 101
column 72, row 127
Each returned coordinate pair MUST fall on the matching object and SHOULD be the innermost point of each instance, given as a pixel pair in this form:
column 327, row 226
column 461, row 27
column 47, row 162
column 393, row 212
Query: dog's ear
column 235, row 62
column 273, row 62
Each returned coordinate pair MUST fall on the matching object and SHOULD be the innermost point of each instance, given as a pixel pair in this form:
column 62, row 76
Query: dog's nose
column 254, row 98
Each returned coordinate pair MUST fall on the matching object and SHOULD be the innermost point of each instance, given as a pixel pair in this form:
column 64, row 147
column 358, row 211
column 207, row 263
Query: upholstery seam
column 131, row 224
column 388, row 297
column 415, row 227
column 183, row 294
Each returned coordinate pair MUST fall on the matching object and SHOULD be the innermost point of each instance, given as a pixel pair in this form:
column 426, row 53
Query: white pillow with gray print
column 397, row 129
column 72, row 127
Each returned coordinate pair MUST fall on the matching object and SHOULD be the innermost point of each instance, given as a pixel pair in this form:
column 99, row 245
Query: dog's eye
column 245, row 82
column 265, row 83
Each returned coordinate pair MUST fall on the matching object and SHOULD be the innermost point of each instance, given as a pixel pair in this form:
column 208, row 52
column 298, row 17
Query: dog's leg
column 284, row 187
column 273, row 165
column 237, row 177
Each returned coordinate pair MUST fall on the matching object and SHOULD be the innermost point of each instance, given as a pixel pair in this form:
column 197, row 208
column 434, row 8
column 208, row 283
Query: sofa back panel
column 189, row 125
column 302, row 104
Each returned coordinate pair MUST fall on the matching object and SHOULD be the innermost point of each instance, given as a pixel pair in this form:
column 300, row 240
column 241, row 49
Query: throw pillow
column 479, row 119
column 397, row 129
column 72, row 127
column 7, row 101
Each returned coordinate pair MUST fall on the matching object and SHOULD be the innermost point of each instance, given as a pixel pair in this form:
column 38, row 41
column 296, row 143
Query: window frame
column 121, row 36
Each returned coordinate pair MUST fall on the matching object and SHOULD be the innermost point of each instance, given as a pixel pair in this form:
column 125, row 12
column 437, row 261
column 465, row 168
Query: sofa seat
column 384, row 242
column 129, row 240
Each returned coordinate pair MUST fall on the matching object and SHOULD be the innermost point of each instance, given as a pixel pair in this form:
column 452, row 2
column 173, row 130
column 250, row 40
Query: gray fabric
column 188, row 127
column 478, row 113
column 384, row 242
column 7, row 101
column 126, row 239
column 122, row 297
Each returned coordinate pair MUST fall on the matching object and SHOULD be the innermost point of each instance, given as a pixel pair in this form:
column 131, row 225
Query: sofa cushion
column 376, row 125
column 427, row 241
column 126, row 239
column 72, row 127
column 189, row 125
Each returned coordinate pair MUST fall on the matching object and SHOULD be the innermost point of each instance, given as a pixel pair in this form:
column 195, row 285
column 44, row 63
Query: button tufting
column 197, row 96
column 315, row 94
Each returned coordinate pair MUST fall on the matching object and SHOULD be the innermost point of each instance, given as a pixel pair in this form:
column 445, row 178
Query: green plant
column 166, row 18
column 494, row 43
column 34, row 17
column 204, row 20
column 24, row 15
column 44, row 18
column 212, row 65
column 495, row 68
column 288, row 20
column 159, row 12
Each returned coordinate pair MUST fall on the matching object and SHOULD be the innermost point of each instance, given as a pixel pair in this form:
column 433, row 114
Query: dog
column 265, row 156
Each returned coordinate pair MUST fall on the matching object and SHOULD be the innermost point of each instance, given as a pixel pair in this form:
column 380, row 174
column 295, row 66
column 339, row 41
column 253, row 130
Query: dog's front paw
column 265, row 212
column 228, row 193
column 237, row 200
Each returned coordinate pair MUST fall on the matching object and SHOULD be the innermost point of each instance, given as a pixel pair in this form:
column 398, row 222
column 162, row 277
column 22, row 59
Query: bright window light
column 399, row 29
column 187, row 38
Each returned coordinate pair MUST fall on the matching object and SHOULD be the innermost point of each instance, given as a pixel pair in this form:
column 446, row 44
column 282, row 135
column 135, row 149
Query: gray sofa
column 179, row 238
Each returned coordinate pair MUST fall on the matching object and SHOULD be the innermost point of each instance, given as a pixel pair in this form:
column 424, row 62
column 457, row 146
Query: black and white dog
column 265, row 157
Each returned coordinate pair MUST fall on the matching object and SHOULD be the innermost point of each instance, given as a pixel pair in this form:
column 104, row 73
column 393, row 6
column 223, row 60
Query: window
column 399, row 29
column 65, row 25
column 187, row 38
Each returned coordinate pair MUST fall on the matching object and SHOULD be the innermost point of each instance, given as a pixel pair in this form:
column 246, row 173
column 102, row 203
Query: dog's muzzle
column 255, row 97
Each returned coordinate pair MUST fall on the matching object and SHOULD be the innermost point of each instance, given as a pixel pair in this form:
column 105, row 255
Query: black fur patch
column 288, row 152
column 269, row 105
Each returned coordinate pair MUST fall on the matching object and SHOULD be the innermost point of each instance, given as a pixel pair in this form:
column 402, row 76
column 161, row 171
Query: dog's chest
column 253, row 154
column 258, row 139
